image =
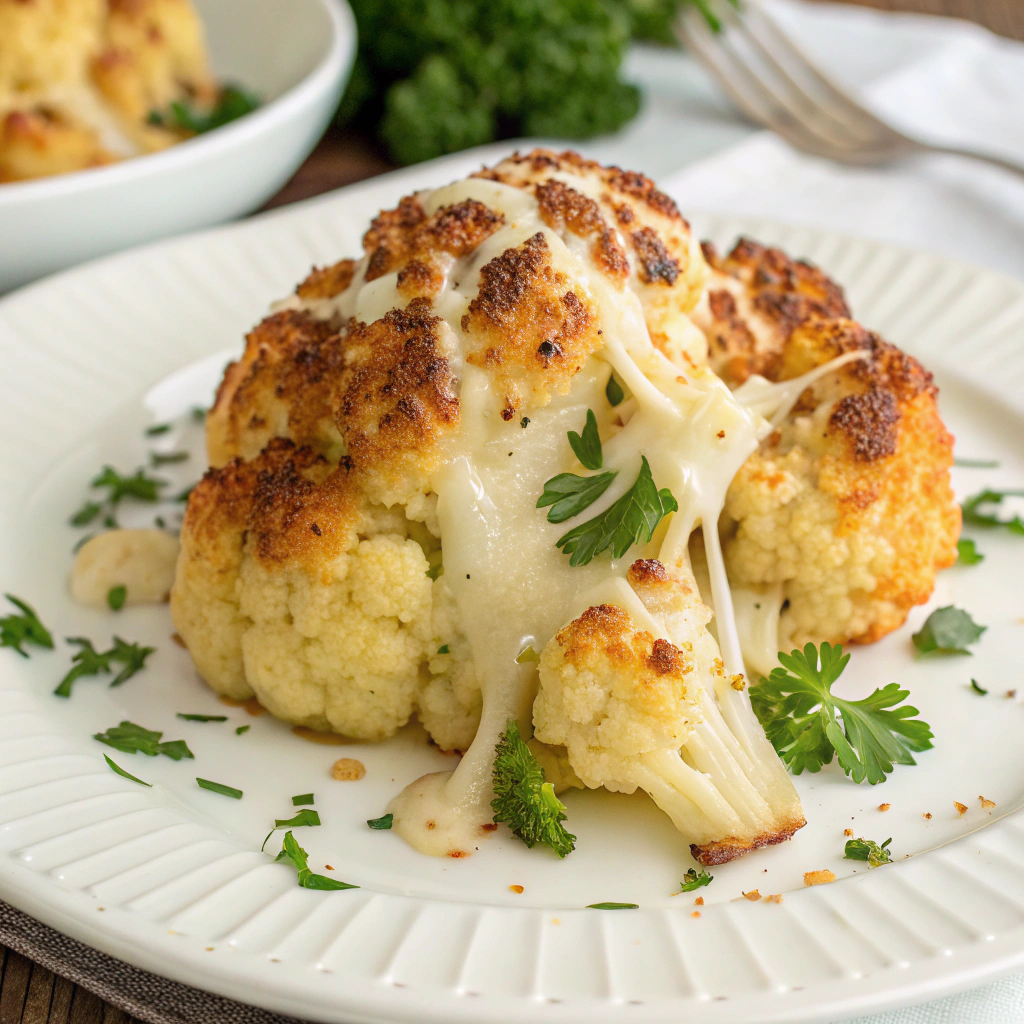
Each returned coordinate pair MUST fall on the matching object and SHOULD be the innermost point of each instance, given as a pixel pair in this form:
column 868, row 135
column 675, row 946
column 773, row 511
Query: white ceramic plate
column 171, row 878
column 295, row 54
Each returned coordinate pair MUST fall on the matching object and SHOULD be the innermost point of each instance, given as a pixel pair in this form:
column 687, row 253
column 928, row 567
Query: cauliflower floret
column 848, row 504
column 635, row 710
column 289, row 590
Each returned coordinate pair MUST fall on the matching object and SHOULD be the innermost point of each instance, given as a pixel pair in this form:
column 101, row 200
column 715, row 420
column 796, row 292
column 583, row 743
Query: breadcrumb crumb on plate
column 822, row 877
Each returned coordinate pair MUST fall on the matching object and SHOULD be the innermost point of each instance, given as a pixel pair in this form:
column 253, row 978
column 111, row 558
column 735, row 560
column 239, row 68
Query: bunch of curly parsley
column 436, row 76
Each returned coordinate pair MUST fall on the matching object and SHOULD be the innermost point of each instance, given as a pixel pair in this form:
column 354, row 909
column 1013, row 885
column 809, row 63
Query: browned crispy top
column 564, row 207
column 399, row 393
column 327, row 282
column 656, row 263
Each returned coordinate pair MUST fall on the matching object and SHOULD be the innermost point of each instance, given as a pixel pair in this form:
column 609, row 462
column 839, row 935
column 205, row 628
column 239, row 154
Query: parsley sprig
column 866, row 849
column 130, row 738
column 233, row 103
column 967, row 553
column 630, row 520
column 694, row 879
column 976, row 513
column 801, row 717
column 947, row 630
column 523, row 800
column 306, row 817
column 87, row 661
column 118, row 486
column 25, row 628
column 294, row 854
column 587, row 445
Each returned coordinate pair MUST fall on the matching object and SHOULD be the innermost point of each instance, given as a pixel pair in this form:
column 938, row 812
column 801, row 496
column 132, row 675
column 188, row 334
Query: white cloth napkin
column 967, row 88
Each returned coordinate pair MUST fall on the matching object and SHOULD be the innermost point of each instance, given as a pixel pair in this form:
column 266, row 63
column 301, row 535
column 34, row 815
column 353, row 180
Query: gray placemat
column 151, row 998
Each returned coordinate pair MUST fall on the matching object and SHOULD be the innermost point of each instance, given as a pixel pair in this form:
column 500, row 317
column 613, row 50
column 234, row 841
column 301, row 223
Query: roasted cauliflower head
column 375, row 538
column 847, row 504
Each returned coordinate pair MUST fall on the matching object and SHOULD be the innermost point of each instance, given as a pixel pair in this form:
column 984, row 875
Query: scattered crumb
column 104, row 908
column 737, row 682
column 1011, row 694
column 986, row 805
column 516, row 888
column 847, row 831
column 458, row 853
column 176, row 637
column 753, row 895
column 721, row 433
column 329, row 867
column 699, row 901
column 961, row 809
column 555, row 920
column 347, row 769
column 884, row 807
column 209, row 949
column 776, row 897
column 696, row 913
column 927, row 814
column 819, row 877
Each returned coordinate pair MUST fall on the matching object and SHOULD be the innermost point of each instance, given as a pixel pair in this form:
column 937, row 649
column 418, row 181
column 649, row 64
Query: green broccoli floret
column 455, row 73
column 523, row 800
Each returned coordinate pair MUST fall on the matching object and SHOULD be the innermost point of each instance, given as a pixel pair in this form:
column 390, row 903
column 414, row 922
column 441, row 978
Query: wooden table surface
column 30, row 994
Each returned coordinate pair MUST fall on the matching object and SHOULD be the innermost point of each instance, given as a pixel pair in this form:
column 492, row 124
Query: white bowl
column 296, row 54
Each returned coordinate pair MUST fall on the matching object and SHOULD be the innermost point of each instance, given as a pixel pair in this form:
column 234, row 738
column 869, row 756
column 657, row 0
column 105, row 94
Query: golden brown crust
column 724, row 850
column 562, row 207
column 327, row 282
column 656, row 263
column 528, row 323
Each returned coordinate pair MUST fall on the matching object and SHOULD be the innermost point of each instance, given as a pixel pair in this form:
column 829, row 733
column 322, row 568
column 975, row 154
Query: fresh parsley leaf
column 116, row 597
column 124, row 774
column 307, row 816
column 297, row 856
column 217, row 787
column 974, row 514
column 694, row 879
column 198, row 414
column 587, row 445
column 130, row 738
column 87, row 661
column 977, row 689
column 157, row 429
column 184, row 495
column 967, row 553
column 138, row 485
column 630, row 520
column 25, row 628
column 233, row 103
column 86, row 514
column 613, row 906
column 167, row 458
column 976, row 463
column 383, row 822
column 242, row 729
column 302, row 798
column 799, row 713
column 865, row 849
column 202, row 718
column 444, row 649
column 523, row 800
column 613, row 391
column 947, row 630
column 570, row 494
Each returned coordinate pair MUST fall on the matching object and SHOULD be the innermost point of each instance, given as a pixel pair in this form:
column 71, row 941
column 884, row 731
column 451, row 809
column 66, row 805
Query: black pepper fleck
column 316, row 529
column 524, row 422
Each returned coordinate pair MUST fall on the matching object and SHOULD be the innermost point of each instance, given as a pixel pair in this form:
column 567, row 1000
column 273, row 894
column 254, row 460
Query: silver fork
column 775, row 84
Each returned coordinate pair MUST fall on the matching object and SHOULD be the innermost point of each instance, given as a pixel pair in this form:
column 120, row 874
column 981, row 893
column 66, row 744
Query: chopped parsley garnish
column 118, row 487
column 523, row 800
column 184, row 495
column 613, row 906
column 234, row 102
column 948, row 630
column 587, row 445
column 202, row 718
column 307, row 816
column 967, row 553
column 242, row 729
column 444, row 649
column 302, row 798
column 976, row 463
column 116, row 597
column 86, row 514
column 218, row 787
column 865, row 849
column 569, row 494
column 87, row 661
column 297, row 856
column 198, row 414
column 130, row 738
column 124, row 774
column 799, row 713
column 435, row 566
column 974, row 515
column 383, row 822
column 977, row 689
column 613, row 391
column 630, row 520
column 167, row 458
column 25, row 628
column 694, row 879
column 526, row 655
column 157, row 429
